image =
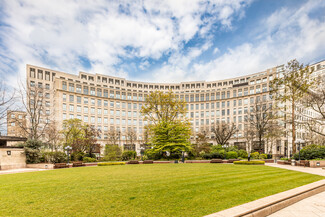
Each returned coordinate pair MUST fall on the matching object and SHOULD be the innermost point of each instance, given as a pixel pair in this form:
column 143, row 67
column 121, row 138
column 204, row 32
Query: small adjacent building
column 16, row 122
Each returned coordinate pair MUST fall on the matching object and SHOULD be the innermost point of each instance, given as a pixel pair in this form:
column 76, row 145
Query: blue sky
column 161, row 41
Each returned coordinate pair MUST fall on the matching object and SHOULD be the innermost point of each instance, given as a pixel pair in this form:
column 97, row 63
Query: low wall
column 41, row 166
column 12, row 158
column 197, row 161
column 313, row 163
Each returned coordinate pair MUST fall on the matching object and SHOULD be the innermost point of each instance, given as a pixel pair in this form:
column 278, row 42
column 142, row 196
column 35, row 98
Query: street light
column 68, row 148
column 299, row 142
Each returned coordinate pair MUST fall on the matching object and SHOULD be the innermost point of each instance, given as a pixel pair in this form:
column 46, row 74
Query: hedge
column 110, row 163
column 253, row 162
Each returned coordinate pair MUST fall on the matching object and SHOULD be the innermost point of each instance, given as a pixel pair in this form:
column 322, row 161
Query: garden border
column 271, row 204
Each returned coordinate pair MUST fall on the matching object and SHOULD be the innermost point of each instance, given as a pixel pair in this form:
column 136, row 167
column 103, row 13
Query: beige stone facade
column 16, row 121
column 108, row 102
column 12, row 158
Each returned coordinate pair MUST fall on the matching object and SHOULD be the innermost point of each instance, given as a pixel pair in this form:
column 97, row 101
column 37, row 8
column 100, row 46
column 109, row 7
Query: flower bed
column 253, row 162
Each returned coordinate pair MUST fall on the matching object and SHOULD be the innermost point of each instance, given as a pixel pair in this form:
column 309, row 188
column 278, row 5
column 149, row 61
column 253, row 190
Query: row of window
column 172, row 87
column 212, row 105
column 141, row 97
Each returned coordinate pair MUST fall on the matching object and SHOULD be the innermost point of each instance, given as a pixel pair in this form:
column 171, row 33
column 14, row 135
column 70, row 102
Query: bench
column 216, row 161
column 304, row 163
column 133, row 162
column 61, row 165
column 148, row 162
column 232, row 160
column 78, row 164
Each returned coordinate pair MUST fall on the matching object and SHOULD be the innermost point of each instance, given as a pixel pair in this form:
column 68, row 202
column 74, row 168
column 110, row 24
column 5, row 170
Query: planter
column 284, row 162
column 41, row 166
column 268, row 160
column 317, row 163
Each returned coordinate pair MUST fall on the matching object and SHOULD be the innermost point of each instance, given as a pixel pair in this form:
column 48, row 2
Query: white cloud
column 284, row 35
column 57, row 33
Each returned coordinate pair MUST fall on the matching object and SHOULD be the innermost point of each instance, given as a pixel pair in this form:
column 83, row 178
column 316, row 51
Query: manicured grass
column 142, row 190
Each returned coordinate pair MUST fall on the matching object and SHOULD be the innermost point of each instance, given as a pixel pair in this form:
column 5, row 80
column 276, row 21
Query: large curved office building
column 114, row 103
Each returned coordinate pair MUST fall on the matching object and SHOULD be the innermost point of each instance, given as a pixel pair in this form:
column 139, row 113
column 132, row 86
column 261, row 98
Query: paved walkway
column 316, row 171
column 21, row 170
column 313, row 206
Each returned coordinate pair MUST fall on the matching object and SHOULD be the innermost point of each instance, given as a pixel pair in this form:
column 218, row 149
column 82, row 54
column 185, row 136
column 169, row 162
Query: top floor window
column 92, row 91
column 78, row 88
column 64, row 85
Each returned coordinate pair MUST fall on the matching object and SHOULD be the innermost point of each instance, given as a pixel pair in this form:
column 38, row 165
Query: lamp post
column 68, row 149
column 299, row 142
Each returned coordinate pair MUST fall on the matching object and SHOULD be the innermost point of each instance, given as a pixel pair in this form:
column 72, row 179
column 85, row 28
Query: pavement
column 315, row 171
column 313, row 206
column 21, row 170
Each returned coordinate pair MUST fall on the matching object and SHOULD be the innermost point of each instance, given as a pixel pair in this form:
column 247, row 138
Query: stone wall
column 12, row 158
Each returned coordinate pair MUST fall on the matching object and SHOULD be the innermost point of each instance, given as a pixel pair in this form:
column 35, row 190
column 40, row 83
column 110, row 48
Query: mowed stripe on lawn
column 143, row 190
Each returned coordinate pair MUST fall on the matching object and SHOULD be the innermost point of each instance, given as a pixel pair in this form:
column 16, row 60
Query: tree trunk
column 293, row 127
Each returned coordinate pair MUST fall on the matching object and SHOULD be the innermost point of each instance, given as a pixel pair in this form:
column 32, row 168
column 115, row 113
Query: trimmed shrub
column 231, row 155
column 242, row 153
column 311, row 152
column 128, row 155
column 255, row 155
column 206, row 156
column 216, row 161
column 148, row 162
column 54, row 157
column 110, row 163
column 112, row 152
column 89, row 159
column 263, row 156
column 133, row 162
column 77, row 156
column 253, row 162
column 32, row 151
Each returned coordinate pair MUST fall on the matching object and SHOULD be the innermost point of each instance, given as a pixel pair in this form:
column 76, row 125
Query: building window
column 92, row 91
column 78, row 88
column 85, row 90
column 64, row 85
column 99, row 92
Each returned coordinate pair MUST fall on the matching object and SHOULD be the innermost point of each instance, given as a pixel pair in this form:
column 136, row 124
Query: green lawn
column 142, row 190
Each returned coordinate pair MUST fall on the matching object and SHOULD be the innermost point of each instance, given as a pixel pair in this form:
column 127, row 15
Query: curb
column 271, row 204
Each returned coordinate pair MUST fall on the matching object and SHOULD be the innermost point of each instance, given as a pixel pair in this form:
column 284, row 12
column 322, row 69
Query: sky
column 159, row 41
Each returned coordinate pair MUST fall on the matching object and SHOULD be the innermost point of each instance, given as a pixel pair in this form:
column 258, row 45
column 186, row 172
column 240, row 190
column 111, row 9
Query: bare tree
column 201, row 141
column 131, row 137
column 259, row 119
column 291, row 86
column 33, row 100
column 53, row 136
column 273, row 133
column 250, row 135
column 114, row 136
column 223, row 132
column 6, row 102
column 315, row 100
